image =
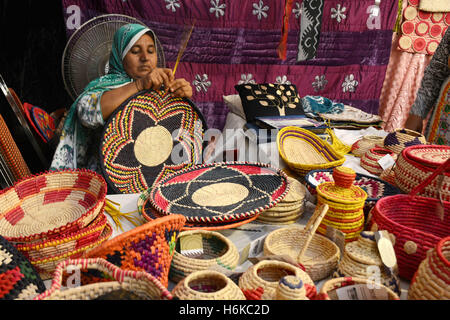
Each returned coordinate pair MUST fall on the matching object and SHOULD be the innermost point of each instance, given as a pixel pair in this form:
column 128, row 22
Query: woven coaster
column 297, row 192
column 148, row 137
column 219, row 192
column 364, row 250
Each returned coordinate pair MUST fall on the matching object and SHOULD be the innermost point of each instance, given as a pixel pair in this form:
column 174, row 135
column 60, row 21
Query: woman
column 434, row 96
column 133, row 67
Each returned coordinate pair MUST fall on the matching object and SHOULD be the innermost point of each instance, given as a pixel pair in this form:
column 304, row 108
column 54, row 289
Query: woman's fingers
column 181, row 88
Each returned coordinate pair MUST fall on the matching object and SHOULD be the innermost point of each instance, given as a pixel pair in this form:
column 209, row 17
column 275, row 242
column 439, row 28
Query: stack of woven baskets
column 55, row 216
column 290, row 208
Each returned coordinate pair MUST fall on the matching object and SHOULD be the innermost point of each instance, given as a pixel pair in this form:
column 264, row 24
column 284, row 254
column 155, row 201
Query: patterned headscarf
column 124, row 38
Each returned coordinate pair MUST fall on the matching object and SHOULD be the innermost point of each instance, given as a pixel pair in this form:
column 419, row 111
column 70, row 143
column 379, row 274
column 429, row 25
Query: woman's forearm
column 111, row 99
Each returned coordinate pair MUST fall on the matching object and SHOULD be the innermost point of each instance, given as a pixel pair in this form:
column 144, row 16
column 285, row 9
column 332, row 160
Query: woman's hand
column 180, row 88
column 155, row 79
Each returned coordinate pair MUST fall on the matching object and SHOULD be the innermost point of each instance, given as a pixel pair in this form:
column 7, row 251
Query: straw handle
column 312, row 226
column 430, row 178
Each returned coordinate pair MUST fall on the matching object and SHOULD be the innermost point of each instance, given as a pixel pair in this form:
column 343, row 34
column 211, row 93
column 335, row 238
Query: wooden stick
column 183, row 47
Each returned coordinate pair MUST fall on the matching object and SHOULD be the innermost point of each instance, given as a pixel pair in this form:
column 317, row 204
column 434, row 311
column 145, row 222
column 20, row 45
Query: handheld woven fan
column 86, row 55
column 150, row 135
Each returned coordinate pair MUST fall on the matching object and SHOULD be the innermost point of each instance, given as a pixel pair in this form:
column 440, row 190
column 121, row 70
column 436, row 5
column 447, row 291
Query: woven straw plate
column 304, row 151
column 149, row 136
column 220, row 192
column 45, row 205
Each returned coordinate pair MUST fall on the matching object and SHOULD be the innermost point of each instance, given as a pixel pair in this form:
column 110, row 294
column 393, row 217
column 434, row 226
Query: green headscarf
column 124, row 39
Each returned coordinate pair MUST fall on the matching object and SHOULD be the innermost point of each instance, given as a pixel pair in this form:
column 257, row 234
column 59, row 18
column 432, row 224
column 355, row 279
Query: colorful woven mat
column 220, row 192
column 151, row 135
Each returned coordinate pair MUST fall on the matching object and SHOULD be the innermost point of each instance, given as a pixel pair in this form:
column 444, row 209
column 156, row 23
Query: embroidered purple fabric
column 235, row 42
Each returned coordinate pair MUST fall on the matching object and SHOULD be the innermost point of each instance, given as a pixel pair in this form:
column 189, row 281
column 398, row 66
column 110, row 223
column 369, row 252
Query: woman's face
column 141, row 59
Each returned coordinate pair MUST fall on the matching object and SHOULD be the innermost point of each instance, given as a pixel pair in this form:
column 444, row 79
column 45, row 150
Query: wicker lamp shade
column 217, row 250
column 260, row 281
column 207, row 285
column 112, row 283
column 148, row 137
column 345, row 203
column 149, row 247
column 431, row 280
column 304, row 151
column 400, row 139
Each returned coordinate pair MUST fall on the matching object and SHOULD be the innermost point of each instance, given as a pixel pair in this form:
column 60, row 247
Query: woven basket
column 319, row 258
column 149, row 247
column 45, row 255
column 46, row 205
column 360, row 147
column 432, row 279
column 207, row 285
column 361, row 259
column 291, row 288
column 369, row 160
column 399, row 139
column 416, row 163
column 217, row 251
column 346, row 205
column 414, row 222
column 18, row 278
column 261, row 280
column 142, row 285
column 304, row 151
column 330, row 287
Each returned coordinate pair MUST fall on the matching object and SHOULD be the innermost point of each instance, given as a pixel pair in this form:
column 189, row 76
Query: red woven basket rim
column 422, row 163
column 440, row 253
column 100, row 200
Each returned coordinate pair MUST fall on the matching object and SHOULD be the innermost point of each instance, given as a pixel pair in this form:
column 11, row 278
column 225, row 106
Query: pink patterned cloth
column 403, row 77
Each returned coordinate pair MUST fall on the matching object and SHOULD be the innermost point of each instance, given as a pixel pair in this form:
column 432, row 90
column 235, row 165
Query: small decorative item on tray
column 18, row 278
column 418, row 223
column 351, row 288
column 260, row 281
column 399, row 139
column 207, row 285
column 362, row 259
column 346, row 202
column 217, row 193
column 111, row 283
column 319, row 255
column 369, row 160
column 416, row 163
column 197, row 250
column 431, row 281
column 304, row 151
column 360, row 147
column 149, row 247
column 289, row 209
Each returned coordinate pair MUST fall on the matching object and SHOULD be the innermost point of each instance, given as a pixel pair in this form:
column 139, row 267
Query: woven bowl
column 142, row 285
column 360, row 147
column 260, row 281
column 217, row 251
column 291, row 288
column 330, row 290
column 369, row 160
column 399, row 139
column 46, row 205
column 304, row 151
column 149, row 247
column 207, row 285
column 431, row 280
column 321, row 257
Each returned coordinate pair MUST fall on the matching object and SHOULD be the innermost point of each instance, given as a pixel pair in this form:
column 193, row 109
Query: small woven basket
column 348, row 285
column 416, row 163
column 260, row 281
column 47, row 205
column 399, row 139
column 112, row 279
column 360, row 147
column 207, row 285
column 304, row 151
column 217, row 250
column 418, row 223
column 149, row 247
column 432, row 279
column 319, row 255
column 291, row 288
column 369, row 160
